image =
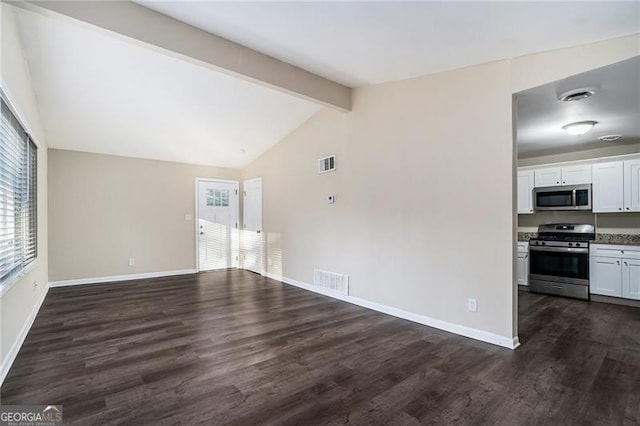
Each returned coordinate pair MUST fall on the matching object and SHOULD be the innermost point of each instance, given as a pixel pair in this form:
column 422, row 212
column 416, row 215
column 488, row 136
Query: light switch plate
column 188, row 216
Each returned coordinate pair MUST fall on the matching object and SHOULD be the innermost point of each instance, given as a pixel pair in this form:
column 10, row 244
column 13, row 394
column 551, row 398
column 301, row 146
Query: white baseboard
column 7, row 362
column 462, row 330
column 116, row 278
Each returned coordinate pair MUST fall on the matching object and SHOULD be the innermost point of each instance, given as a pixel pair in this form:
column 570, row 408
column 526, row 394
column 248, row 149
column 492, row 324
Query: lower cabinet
column 522, row 265
column 615, row 271
column 605, row 276
column 631, row 278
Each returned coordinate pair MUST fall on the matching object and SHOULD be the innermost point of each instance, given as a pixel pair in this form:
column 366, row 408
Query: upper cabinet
column 632, row 185
column 525, row 192
column 569, row 175
column 576, row 175
column 616, row 183
column 608, row 193
column 616, row 187
column 548, row 177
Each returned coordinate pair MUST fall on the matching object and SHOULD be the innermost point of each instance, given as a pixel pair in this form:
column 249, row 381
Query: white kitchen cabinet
column 605, row 276
column 568, row 175
column 615, row 270
column 551, row 176
column 525, row 192
column 608, row 184
column 522, row 263
column 631, row 278
column 576, row 175
column 632, row 186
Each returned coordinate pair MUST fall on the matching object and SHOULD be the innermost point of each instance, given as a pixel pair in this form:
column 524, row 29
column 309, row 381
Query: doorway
column 217, row 237
column 253, row 239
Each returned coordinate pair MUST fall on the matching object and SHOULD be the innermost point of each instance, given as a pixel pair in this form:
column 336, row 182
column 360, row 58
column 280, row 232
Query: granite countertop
column 619, row 239
column 526, row 236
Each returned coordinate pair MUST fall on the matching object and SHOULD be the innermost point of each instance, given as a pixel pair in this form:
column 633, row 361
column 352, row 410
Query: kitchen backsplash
column 606, row 223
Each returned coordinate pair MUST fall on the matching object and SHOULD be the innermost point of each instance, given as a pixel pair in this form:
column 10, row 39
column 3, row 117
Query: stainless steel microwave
column 574, row 197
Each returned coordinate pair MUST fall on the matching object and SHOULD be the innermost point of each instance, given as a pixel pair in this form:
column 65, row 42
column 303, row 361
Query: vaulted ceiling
column 99, row 92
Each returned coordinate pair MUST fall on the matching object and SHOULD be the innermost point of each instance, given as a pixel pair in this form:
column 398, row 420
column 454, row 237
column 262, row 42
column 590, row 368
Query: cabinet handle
column 627, row 208
column 626, row 264
column 617, row 262
column 619, row 208
column 557, row 182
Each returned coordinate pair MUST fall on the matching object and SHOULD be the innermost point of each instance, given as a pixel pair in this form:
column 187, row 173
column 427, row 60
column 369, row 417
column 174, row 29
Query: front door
column 252, row 235
column 217, row 225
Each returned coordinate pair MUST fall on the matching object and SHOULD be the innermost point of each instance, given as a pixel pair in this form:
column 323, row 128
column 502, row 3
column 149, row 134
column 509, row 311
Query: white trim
column 6, row 94
column 462, row 330
column 196, row 215
column 7, row 362
column 117, row 278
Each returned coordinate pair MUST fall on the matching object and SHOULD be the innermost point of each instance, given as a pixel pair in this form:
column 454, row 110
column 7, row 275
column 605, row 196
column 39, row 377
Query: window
column 218, row 197
column 18, row 196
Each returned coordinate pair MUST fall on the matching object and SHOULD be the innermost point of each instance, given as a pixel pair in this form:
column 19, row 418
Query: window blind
column 18, row 196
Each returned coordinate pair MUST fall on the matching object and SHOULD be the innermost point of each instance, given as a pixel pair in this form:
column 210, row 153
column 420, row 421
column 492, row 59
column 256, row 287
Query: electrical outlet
column 132, row 261
column 472, row 304
column 188, row 217
column 35, row 285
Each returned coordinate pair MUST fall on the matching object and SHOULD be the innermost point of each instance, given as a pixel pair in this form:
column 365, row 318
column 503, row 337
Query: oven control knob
column 542, row 243
column 577, row 244
column 571, row 245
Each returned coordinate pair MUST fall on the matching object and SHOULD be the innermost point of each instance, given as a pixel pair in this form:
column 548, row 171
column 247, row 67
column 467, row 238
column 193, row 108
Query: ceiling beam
column 170, row 36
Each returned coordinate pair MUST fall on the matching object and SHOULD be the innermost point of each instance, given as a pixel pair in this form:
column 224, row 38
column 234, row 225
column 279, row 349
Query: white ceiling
column 360, row 43
column 615, row 106
column 97, row 93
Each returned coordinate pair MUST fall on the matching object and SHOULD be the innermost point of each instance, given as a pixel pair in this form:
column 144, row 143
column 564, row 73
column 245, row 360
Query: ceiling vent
column 327, row 164
column 577, row 94
column 610, row 138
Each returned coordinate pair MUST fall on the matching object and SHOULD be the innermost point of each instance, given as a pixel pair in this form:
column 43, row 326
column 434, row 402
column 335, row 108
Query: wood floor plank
column 232, row 347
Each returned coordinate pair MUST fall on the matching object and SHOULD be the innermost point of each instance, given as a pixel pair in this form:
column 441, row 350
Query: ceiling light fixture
column 610, row 138
column 577, row 94
column 579, row 128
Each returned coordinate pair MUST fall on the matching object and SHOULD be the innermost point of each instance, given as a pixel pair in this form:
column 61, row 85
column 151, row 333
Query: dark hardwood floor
column 235, row 348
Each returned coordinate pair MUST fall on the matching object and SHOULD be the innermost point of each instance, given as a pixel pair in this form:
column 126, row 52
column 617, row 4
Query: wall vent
column 327, row 164
column 331, row 281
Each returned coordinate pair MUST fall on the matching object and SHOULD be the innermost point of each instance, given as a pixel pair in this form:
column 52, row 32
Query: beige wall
column 20, row 300
column 105, row 209
column 409, row 214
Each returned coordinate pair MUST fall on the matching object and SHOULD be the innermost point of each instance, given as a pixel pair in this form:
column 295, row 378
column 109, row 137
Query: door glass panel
column 218, row 197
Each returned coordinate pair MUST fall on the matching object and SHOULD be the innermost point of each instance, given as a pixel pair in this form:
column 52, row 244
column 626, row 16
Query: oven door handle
column 560, row 249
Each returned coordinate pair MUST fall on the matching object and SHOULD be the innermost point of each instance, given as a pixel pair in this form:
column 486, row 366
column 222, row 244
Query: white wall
column 413, row 159
column 17, row 304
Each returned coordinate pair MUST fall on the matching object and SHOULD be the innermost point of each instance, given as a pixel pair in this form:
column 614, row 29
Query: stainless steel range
column 559, row 260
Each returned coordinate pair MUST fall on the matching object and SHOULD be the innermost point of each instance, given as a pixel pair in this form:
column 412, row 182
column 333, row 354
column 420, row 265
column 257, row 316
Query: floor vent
column 327, row 164
column 331, row 281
